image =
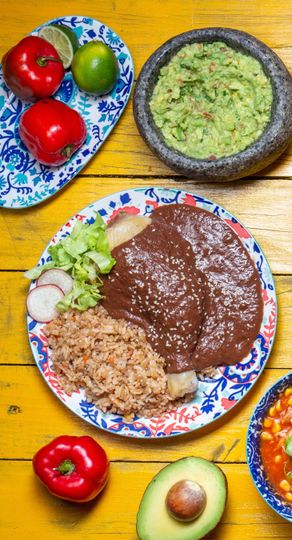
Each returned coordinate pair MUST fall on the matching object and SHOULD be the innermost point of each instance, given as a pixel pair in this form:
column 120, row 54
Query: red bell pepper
column 72, row 468
column 33, row 69
column 52, row 131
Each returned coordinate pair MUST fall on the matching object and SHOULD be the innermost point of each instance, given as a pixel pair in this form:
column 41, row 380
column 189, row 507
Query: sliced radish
column 41, row 302
column 57, row 277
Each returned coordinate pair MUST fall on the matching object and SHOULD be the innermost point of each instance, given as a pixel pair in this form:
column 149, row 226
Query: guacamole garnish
column 211, row 101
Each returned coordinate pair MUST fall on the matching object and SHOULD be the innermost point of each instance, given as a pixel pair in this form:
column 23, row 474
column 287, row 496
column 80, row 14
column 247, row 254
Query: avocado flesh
column 153, row 519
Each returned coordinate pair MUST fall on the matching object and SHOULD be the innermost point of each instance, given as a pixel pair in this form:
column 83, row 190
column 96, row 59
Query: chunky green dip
column 211, row 101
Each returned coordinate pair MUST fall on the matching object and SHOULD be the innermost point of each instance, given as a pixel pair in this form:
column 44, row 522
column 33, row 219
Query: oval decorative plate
column 23, row 181
column 216, row 395
column 253, row 453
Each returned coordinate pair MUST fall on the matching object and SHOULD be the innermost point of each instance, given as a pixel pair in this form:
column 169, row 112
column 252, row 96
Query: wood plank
column 113, row 514
column 15, row 348
column 31, row 416
column 139, row 24
column 260, row 204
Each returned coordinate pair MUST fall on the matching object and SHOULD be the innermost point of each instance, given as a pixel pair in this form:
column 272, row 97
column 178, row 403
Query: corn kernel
column 276, row 426
column 285, row 485
column 278, row 405
column 278, row 458
column 288, row 392
column 266, row 436
column 290, row 401
column 288, row 496
column 272, row 411
column 268, row 422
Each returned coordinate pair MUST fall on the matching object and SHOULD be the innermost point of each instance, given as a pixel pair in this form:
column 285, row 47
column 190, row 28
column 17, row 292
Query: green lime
column 63, row 39
column 95, row 68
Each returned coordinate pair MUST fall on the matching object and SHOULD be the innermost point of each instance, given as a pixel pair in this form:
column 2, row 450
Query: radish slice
column 41, row 302
column 56, row 277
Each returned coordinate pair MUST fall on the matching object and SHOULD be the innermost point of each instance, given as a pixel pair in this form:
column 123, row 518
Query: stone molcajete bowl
column 258, row 155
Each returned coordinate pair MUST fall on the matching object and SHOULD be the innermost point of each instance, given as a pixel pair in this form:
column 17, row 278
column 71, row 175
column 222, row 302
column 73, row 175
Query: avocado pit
column 186, row 500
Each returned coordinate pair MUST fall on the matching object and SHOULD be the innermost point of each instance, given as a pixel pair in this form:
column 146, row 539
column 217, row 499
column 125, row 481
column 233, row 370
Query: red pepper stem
column 67, row 150
column 66, row 467
column 42, row 61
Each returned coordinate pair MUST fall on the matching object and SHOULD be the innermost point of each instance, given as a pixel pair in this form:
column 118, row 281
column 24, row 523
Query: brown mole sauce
column 156, row 285
column 189, row 282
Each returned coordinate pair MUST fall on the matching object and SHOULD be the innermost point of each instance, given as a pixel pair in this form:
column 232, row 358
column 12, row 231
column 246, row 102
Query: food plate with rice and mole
column 151, row 312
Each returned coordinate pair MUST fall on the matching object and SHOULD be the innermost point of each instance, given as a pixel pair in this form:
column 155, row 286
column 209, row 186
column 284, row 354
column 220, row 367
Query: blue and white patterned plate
column 23, row 181
column 253, row 453
column 216, row 395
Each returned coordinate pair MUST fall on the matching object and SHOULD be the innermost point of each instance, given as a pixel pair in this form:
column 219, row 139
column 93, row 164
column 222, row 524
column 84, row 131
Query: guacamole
column 211, row 101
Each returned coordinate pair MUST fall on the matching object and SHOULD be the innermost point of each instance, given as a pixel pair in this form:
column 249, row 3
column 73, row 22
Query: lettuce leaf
column 83, row 296
column 85, row 255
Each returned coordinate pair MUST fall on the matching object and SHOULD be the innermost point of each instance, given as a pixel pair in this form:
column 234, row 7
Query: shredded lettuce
column 82, row 296
column 84, row 254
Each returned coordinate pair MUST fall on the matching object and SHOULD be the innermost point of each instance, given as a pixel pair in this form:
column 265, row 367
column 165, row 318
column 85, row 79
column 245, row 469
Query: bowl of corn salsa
column 269, row 447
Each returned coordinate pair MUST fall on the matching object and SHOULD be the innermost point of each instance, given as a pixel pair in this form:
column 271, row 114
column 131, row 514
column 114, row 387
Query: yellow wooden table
column 30, row 414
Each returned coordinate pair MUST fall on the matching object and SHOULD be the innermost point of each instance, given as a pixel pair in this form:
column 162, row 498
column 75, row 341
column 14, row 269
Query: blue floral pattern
column 253, row 449
column 216, row 395
column 25, row 182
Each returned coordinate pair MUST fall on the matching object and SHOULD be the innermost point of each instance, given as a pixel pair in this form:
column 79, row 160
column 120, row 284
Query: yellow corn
column 268, row 422
column 290, row 401
column 266, row 436
column 288, row 391
column 276, row 426
column 278, row 458
column 272, row 411
column 278, row 405
column 285, row 485
column 288, row 496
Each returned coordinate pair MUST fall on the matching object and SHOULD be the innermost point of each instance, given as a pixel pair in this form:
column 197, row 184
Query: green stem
column 67, row 150
column 42, row 61
column 66, row 467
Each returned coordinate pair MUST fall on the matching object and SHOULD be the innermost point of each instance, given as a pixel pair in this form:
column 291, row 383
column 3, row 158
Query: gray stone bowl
column 258, row 155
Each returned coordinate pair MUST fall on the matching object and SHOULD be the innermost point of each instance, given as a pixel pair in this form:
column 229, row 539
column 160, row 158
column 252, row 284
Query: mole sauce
column 189, row 282
column 156, row 285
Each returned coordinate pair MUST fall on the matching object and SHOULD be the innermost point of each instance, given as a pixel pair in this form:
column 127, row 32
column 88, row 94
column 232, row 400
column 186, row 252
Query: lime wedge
column 69, row 33
column 63, row 39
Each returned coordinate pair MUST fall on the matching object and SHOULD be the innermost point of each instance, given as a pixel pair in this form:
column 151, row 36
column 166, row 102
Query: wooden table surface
column 30, row 414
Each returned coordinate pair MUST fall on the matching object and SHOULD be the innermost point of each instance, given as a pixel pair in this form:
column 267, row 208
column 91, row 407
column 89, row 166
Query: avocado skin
column 153, row 519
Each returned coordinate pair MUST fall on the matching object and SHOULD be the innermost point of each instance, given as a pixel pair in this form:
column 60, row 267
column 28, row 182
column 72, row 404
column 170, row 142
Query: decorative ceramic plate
column 254, row 460
column 25, row 182
column 215, row 396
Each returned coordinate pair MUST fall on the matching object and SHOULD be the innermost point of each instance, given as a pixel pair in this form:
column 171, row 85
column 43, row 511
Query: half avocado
column 154, row 521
